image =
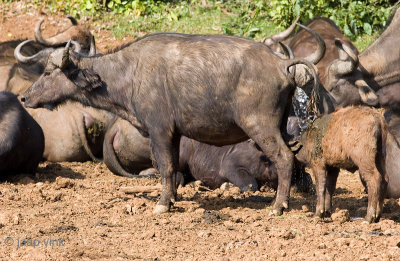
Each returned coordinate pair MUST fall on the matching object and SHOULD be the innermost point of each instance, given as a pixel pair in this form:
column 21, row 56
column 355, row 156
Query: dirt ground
column 81, row 211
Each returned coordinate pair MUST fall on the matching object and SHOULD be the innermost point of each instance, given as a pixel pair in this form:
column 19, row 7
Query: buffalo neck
column 115, row 95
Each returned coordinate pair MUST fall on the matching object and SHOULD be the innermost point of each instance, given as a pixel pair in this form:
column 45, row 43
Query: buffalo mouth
column 25, row 101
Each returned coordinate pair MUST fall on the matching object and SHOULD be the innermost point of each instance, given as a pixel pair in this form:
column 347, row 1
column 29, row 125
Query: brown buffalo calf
column 350, row 138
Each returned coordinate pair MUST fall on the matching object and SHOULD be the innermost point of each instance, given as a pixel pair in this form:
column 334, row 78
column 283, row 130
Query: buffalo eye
column 46, row 73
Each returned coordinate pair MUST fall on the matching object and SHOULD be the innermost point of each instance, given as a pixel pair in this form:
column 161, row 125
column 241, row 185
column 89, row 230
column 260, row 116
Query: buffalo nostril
column 22, row 99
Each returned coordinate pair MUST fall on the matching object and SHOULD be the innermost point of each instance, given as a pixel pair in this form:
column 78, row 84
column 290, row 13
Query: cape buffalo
column 216, row 89
column 72, row 132
column 350, row 138
column 376, row 69
column 126, row 152
column 21, row 138
column 17, row 77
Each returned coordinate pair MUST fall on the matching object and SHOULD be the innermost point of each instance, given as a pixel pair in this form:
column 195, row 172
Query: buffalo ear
column 88, row 79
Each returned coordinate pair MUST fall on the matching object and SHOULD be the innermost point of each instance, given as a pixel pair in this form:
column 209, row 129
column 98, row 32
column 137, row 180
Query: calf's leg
column 374, row 181
column 330, row 189
column 320, row 174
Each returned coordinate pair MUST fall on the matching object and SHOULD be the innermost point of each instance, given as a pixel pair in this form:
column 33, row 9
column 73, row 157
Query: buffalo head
column 61, row 71
column 345, row 82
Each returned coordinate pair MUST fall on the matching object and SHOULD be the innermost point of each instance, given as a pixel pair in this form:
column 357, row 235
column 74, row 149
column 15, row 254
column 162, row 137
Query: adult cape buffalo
column 216, row 89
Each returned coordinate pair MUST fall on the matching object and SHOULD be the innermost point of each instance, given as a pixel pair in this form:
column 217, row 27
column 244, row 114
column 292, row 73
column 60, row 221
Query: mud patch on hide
column 319, row 127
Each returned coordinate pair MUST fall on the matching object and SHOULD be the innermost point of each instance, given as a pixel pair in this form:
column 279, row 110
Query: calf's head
column 61, row 80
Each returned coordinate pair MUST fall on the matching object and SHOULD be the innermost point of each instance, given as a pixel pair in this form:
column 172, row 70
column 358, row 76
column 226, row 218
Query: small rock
column 128, row 209
column 200, row 211
column 341, row 216
column 204, row 234
column 235, row 190
column 16, row 218
column 389, row 232
column 288, row 235
column 305, row 208
column 322, row 246
column 4, row 219
column 63, row 183
column 39, row 184
column 226, row 186
column 342, row 242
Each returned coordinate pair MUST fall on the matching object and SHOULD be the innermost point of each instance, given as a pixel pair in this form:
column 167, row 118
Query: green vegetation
column 354, row 17
column 362, row 21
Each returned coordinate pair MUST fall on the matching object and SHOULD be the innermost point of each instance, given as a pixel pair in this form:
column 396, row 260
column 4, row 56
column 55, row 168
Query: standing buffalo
column 350, row 138
column 216, row 89
column 21, row 138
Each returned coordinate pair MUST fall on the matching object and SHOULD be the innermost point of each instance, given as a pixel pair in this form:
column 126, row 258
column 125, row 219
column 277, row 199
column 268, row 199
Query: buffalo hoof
column 371, row 216
column 160, row 209
column 277, row 209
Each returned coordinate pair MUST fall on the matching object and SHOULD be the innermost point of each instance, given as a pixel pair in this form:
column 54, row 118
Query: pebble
column 341, row 216
column 305, row 208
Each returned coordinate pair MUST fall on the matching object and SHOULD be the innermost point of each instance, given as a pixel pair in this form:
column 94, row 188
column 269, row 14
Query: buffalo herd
column 215, row 108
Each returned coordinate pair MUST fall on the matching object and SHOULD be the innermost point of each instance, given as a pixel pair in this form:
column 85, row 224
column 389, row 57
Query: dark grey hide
column 216, row 89
column 21, row 138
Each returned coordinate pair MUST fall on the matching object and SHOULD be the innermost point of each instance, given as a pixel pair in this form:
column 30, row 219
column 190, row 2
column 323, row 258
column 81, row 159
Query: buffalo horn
column 20, row 57
column 280, row 36
column 319, row 53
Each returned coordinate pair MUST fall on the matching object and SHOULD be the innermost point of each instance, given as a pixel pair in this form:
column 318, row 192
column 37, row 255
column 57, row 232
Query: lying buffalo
column 216, row 89
column 66, row 129
column 350, row 138
column 242, row 164
column 72, row 132
column 21, row 138
column 17, row 77
column 126, row 153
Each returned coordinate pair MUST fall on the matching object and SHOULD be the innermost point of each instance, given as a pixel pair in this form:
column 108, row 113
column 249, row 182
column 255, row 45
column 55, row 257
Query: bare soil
column 81, row 211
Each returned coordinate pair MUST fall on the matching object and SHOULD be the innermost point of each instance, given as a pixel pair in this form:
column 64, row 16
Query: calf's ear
column 88, row 79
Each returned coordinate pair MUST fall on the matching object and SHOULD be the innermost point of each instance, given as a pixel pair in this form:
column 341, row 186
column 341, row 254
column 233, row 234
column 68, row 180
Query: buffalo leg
column 330, row 189
column 166, row 153
column 320, row 173
column 374, row 181
column 269, row 139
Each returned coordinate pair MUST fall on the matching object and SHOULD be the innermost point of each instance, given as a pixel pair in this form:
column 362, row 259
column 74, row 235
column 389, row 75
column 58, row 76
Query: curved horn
column 76, row 46
column 55, row 40
column 280, row 36
column 320, row 52
column 348, row 59
column 65, row 57
column 21, row 58
column 92, row 50
column 38, row 34
column 73, row 20
column 287, row 51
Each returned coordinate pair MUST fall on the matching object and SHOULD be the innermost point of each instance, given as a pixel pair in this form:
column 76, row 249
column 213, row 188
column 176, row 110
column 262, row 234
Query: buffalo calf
column 21, row 138
column 350, row 138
